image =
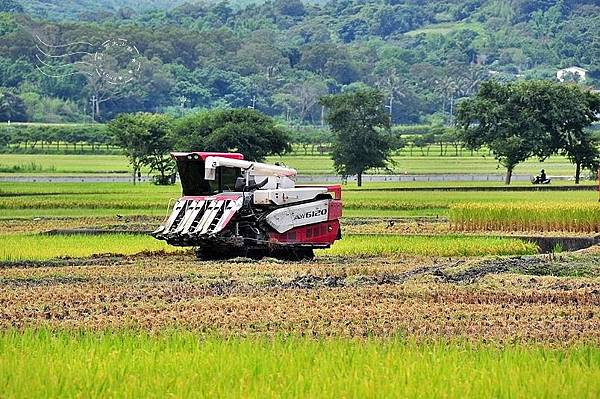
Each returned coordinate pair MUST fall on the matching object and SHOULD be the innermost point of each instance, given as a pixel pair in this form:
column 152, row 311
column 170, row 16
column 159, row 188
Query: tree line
column 25, row 138
column 147, row 139
column 305, row 140
column 515, row 121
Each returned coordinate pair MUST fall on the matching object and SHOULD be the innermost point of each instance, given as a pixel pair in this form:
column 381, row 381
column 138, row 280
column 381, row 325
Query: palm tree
column 447, row 87
column 393, row 86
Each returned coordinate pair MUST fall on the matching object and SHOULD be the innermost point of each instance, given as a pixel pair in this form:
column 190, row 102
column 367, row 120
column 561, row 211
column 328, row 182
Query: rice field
column 102, row 199
column 17, row 247
column 441, row 245
column 397, row 308
column 305, row 164
column 542, row 217
column 67, row 164
column 503, row 300
column 20, row 247
column 423, row 200
column 358, row 200
column 131, row 364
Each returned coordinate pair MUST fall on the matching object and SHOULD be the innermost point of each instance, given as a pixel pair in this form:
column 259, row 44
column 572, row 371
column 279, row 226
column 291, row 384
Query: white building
column 580, row 72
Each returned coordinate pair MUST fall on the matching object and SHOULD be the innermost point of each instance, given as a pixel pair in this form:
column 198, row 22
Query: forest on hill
column 89, row 9
column 279, row 56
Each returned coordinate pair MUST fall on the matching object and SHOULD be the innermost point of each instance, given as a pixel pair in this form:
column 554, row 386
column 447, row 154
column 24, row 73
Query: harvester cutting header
column 233, row 207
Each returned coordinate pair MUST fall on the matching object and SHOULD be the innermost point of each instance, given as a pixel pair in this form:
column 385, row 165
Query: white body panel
column 253, row 168
column 286, row 196
column 275, row 182
column 289, row 217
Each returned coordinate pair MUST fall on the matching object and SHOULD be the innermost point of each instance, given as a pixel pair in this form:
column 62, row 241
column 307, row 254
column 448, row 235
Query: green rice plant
column 181, row 364
column 118, row 196
column 100, row 201
column 20, row 200
column 72, row 188
column 450, row 245
column 61, row 164
column 305, row 164
column 30, row 167
column 18, row 247
column 549, row 216
column 81, row 213
column 424, row 200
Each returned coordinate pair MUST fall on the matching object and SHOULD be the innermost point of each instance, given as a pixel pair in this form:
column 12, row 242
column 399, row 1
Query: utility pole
column 253, row 106
column 451, row 109
column 94, row 102
column 182, row 101
column 391, row 105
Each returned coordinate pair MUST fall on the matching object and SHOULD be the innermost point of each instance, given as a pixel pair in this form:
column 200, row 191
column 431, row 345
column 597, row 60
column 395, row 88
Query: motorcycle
column 539, row 180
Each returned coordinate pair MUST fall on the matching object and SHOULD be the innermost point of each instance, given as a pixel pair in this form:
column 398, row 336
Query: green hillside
column 282, row 55
column 70, row 9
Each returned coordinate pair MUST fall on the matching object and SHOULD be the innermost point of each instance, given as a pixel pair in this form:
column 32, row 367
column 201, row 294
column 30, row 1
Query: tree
column 359, row 122
column 397, row 142
column 575, row 109
column 146, row 139
column 292, row 8
column 260, row 54
column 5, row 137
column 302, row 97
column 583, row 152
column 393, row 86
column 509, row 120
column 243, row 130
column 10, row 6
column 12, row 108
column 424, row 141
column 531, row 118
column 451, row 137
column 14, row 72
column 448, row 88
column 218, row 54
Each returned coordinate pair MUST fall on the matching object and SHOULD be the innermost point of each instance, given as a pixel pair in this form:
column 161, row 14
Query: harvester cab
column 232, row 207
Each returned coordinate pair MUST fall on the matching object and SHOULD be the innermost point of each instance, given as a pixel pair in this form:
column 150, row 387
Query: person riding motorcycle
column 541, row 179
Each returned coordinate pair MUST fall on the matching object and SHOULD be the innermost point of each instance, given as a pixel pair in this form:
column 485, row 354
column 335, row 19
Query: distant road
column 301, row 179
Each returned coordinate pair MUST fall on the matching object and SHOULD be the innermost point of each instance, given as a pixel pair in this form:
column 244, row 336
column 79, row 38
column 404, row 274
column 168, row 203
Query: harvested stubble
column 154, row 293
column 111, row 223
column 541, row 217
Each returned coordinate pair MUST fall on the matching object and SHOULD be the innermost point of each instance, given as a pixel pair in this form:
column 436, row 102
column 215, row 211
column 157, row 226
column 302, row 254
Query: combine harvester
column 231, row 207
